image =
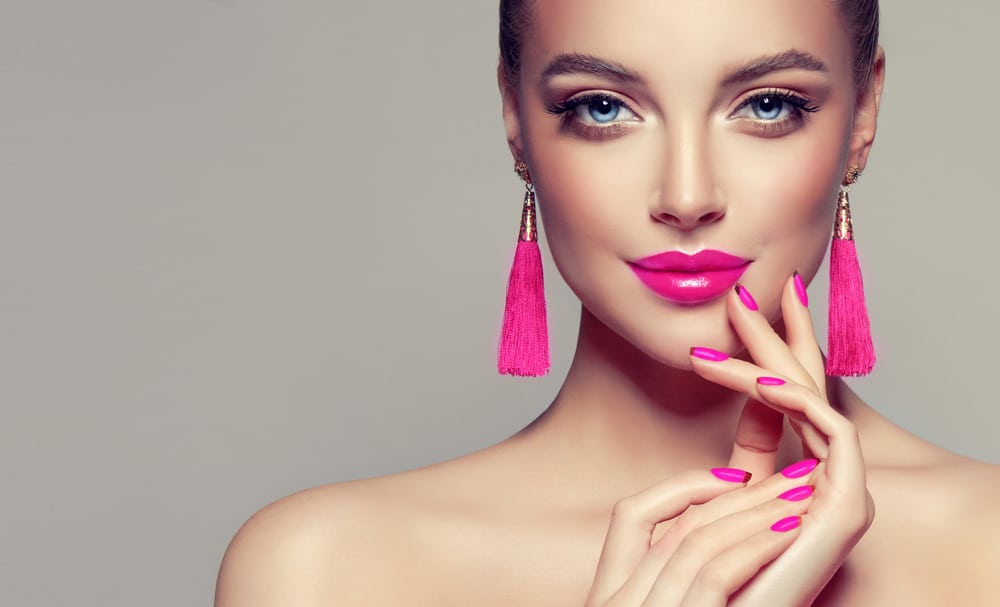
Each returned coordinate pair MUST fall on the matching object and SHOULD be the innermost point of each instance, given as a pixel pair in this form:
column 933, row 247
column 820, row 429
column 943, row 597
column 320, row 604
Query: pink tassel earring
column 524, row 338
column 850, row 351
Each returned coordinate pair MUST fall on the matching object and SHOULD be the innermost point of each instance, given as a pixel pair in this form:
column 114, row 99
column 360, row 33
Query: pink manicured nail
column 709, row 354
column 787, row 524
column 746, row 298
column 770, row 381
column 800, row 290
column 800, row 469
column 732, row 475
column 797, row 494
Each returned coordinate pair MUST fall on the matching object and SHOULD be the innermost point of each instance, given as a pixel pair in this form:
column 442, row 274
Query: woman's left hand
column 787, row 378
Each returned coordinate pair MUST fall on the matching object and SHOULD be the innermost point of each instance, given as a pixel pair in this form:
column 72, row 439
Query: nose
column 688, row 196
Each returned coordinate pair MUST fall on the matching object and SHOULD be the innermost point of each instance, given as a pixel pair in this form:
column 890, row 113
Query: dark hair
column 515, row 15
column 860, row 16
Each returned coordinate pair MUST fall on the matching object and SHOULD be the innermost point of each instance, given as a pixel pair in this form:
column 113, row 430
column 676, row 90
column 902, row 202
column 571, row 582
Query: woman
column 665, row 138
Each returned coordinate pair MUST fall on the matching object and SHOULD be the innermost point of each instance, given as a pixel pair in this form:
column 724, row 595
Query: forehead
column 691, row 39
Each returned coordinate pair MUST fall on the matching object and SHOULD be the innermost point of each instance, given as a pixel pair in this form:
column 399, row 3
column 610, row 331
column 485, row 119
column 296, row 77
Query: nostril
column 688, row 222
column 710, row 217
column 669, row 219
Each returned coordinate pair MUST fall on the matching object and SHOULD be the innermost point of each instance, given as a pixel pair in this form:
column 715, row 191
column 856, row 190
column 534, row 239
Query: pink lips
column 690, row 279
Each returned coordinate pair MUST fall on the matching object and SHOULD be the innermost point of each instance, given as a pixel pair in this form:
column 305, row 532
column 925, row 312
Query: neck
column 632, row 414
column 623, row 421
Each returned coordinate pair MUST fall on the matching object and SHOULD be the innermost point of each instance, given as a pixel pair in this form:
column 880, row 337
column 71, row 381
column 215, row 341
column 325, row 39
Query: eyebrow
column 576, row 63
column 762, row 66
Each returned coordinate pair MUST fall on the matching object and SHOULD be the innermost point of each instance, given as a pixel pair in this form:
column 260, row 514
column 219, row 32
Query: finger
column 721, row 577
column 794, row 483
column 797, row 575
column 708, row 542
column 844, row 461
column 741, row 376
column 801, row 432
column 758, row 437
column 799, row 332
column 778, row 486
column 634, row 519
column 765, row 346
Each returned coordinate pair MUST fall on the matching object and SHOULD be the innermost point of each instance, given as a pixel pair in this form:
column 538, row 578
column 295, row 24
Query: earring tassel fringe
column 850, row 350
column 524, row 338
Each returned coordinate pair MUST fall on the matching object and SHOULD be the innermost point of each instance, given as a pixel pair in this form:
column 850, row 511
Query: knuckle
column 712, row 578
column 687, row 522
column 696, row 543
column 675, row 534
column 869, row 510
column 858, row 524
column 846, row 428
column 626, row 510
column 855, row 518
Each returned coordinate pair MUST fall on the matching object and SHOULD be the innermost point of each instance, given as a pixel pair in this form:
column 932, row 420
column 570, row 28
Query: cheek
column 787, row 191
column 788, row 187
column 587, row 197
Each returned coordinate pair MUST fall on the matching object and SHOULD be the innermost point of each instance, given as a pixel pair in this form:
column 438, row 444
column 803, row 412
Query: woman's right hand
column 721, row 533
column 720, row 537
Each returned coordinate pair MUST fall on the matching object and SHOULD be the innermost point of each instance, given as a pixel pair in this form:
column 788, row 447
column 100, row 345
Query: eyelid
column 567, row 111
column 798, row 100
column 584, row 97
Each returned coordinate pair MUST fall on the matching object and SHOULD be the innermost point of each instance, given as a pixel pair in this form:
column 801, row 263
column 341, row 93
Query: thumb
column 758, row 436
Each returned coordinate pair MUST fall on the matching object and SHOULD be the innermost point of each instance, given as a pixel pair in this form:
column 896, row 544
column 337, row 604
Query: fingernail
column 732, row 475
column 746, row 298
column 770, row 381
column 797, row 494
column 800, row 290
column 787, row 524
column 709, row 354
column 800, row 469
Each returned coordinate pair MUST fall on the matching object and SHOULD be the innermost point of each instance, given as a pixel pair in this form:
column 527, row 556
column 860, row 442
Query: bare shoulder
column 971, row 516
column 299, row 550
column 951, row 490
column 939, row 523
column 336, row 544
column 384, row 541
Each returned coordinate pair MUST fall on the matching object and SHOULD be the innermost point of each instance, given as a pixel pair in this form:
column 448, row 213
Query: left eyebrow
column 576, row 63
column 762, row 66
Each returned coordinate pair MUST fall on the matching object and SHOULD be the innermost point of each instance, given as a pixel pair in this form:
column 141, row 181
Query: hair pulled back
column 860, row 17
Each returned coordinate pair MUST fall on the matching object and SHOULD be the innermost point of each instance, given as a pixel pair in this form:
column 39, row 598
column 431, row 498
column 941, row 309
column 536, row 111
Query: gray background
column 248, row 247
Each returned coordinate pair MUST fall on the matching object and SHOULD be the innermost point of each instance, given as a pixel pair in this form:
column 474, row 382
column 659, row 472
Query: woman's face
column 682, row 127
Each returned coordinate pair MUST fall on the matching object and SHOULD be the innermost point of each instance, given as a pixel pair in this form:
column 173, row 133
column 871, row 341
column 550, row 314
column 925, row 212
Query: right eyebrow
column 790, row 59
column 576, row 63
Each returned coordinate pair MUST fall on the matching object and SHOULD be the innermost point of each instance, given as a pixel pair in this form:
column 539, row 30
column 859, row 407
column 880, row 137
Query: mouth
column 690, row 279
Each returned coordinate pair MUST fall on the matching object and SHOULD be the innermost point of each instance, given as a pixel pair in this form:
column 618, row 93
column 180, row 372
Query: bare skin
column 523, row 522
column 539, row 518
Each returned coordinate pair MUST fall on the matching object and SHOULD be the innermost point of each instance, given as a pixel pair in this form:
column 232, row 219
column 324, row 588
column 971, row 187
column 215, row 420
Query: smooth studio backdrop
column 249, row 246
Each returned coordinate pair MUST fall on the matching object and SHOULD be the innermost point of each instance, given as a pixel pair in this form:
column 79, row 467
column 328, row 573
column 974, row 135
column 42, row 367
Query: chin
column 666, row 333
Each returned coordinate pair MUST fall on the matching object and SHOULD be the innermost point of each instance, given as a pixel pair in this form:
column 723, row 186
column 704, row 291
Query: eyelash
column 800, row 106
column 565, row 111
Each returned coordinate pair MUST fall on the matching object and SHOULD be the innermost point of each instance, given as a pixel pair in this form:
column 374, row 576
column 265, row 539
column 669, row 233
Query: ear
column 866, row 114
column 511, row 112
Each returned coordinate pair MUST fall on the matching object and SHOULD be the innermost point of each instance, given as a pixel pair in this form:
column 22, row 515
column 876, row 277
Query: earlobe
column 511, row 112
column 866, row 114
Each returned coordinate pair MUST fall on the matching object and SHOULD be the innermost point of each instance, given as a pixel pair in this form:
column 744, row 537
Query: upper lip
column 677, row 261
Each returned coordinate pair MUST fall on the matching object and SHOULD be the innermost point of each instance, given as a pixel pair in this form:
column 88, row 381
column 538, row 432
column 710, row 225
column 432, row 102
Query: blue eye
column 767, row 107
column 773, row 112
column 774, row 106
column 595, row 110
column 602, row 109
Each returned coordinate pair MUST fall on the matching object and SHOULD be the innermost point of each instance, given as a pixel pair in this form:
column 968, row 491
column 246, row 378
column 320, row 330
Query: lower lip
column 690, row 287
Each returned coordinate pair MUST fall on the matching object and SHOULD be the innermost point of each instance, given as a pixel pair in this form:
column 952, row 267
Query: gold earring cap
column 853, row 173
column 521, row 168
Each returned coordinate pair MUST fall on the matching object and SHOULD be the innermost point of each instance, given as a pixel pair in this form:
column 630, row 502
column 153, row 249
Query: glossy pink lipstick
column 690, row 279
